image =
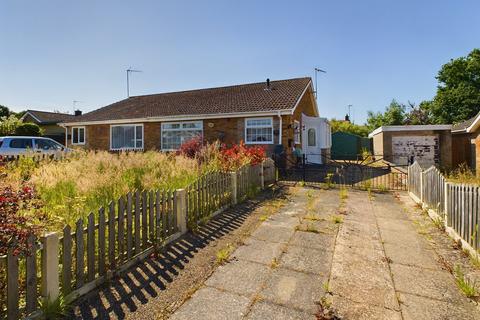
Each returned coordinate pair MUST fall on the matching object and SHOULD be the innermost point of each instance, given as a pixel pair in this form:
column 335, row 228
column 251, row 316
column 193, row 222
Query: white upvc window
column 259, row 131
column 126, row 137
column 174, row 134
column 78, row 135
column 296, row 131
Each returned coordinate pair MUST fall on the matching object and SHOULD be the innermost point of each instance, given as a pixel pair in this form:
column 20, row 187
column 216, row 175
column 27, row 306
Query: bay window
column 259, row 131
column 126, row 137
column 174, row 134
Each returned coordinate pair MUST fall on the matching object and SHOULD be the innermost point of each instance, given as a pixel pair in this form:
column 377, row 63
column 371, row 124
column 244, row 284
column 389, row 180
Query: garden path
column 332, row 254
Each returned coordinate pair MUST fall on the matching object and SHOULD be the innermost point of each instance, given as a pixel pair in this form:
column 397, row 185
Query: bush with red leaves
column 15, row 229
column 239, row 155
column 191, row 148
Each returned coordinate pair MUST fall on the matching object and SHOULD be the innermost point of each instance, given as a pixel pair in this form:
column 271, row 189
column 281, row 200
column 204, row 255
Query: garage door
column 424, row 149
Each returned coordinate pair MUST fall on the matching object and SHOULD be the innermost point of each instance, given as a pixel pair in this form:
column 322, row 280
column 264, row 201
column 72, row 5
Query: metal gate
column 357, row 174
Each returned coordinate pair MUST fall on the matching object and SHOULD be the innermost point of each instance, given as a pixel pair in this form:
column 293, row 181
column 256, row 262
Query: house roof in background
column 45, row 117
column 410, row 128
column 467, row 125
column 224, row 101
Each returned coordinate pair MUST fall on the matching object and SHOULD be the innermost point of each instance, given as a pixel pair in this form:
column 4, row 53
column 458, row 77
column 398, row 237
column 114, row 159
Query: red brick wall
column 227, row 130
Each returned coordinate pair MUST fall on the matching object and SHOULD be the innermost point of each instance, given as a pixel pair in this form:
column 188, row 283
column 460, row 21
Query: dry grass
column 463, row 174
column 73, row 188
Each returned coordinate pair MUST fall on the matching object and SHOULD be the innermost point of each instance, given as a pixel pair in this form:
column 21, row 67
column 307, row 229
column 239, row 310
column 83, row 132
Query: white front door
column 315, row 137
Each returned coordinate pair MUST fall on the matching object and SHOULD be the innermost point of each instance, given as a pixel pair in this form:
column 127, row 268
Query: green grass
column 468, row 287
column 337, row 219
column 224, row 254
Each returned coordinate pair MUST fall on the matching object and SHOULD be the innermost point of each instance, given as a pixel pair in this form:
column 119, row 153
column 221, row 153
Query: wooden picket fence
column 458, row 205
column 93, row 251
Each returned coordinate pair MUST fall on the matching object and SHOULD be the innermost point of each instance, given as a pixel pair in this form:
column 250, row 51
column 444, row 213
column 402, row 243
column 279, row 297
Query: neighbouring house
column 466, row 143
column 280, row 115
column 348, row 146
column 49, row 122
column 426, row 144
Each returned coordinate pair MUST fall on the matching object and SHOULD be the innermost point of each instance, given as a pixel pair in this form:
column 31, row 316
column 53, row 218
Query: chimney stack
column 347, row 118
column 78, row 113
column 268, row 83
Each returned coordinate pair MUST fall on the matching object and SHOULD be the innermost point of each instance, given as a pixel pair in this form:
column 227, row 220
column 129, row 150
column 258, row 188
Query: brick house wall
column 226, row 130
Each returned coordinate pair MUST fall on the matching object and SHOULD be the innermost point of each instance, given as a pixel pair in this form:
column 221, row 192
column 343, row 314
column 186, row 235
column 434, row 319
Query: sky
column 55, row 52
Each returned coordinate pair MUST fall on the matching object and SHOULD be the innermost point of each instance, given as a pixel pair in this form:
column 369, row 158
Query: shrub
column 191, row 148
column 8, row 125
column 15, row 229
column 28, row 129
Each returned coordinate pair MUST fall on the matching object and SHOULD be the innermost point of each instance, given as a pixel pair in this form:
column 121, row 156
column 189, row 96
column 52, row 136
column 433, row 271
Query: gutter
column 182, row 118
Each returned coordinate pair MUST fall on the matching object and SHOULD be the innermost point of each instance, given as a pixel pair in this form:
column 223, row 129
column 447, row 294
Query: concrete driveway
column 331, row 254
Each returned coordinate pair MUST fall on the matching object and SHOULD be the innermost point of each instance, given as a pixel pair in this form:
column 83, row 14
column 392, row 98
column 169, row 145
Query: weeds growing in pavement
column 337, row 219
column 343, row 194
column 467, row 286
column 312, row 217
column 224, row 254
column 274, row 263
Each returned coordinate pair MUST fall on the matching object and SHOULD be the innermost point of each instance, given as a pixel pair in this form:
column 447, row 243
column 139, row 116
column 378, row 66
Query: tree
column 8, row 125
column 420, row 114
column 4, row 111
column 395, row 114
column 28, row 129
column 458, row 93
column 346, row 126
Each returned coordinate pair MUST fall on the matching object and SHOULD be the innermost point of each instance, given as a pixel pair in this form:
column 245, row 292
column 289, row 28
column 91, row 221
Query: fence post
column 233, row 176
column 50, row 287
column 181, row 209
column 421, row 186
column 447, row 203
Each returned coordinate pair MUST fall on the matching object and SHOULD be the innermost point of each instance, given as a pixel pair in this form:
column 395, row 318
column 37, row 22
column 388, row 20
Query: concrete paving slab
column 283, row 220
column 348, row 309
column 307, row 260
column 269, row 311
column 363, row 281
column 415, row 307
column 435, row 284
column 409, row 239
column 323, row 241
column 411, row 256
column 273, row 233
column 241, row 277
column 359, row 253
column 259, row 251
column 212, row 304
column 294, row 289
column 395, row 225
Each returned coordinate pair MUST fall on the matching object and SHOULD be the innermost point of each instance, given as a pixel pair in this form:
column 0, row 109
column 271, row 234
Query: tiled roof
column 462, row 126
column 46, row 117
column 254, row 97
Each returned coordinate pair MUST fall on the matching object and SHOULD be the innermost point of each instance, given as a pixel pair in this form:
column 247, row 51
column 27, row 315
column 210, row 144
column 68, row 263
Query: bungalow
column 49, row 122
column 280, row 115
column 466, row 143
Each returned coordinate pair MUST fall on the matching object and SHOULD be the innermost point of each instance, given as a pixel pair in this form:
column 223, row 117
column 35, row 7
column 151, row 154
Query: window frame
column 314, row 137
column 249, row 127
column 135, row 125
column 162, row 129
column 78, row 143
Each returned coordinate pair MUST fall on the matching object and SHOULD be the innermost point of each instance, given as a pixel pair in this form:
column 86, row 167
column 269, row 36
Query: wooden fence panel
column 67, row 260
column 31, row 275
column 127, row 227
column 13, row 292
